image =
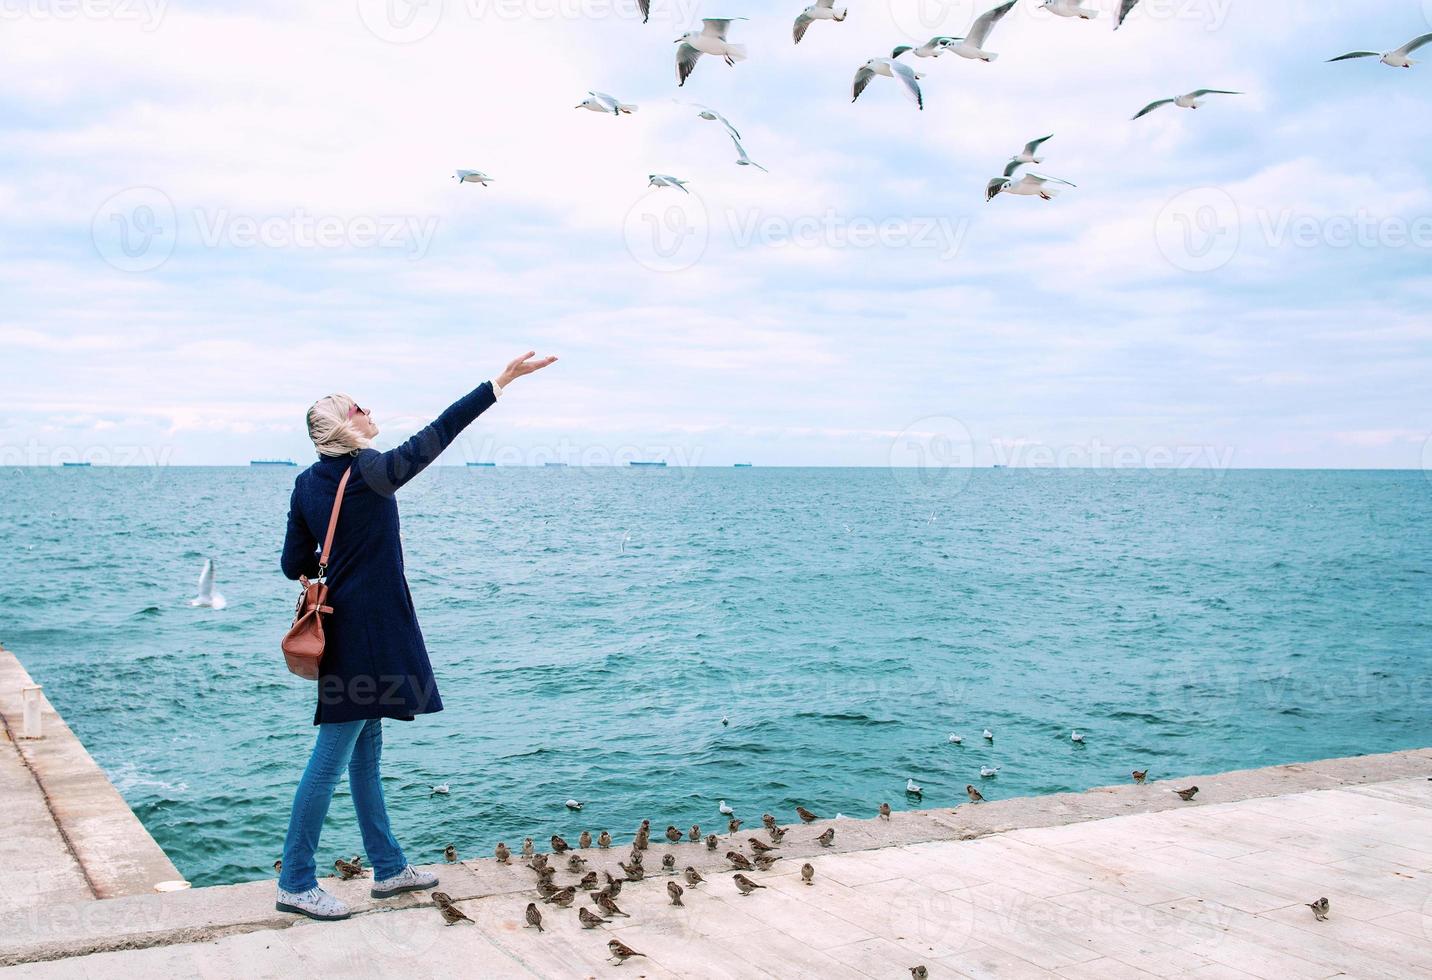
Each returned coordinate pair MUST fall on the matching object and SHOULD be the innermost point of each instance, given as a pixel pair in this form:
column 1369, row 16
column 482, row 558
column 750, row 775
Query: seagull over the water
column 908, row 78
column 1125, row 6
column 207, row 596
column 1030, row 185
column 1393, row 59
column 666, row 180
column 601, row 102
column 1027, row 155
column 1070, row 8
column 1191, row 100
column 471, row 177
column 989, row 771
column 711, row 39
column 743, row 160
column 820, row 10
column 725, row 810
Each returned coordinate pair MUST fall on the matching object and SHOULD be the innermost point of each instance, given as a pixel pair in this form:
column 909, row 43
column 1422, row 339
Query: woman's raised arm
column 387, row 472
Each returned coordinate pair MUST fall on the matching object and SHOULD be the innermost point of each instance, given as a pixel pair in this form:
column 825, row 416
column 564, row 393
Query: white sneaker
column 410, row 879
column 314, row 903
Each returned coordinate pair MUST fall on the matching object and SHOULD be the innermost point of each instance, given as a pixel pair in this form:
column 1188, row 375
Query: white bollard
column 30, row 696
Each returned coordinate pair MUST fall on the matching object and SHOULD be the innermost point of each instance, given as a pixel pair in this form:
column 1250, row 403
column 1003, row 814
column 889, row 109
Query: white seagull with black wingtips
column 1393, row 59
column 711, row 39
column 820, row 10
column 908, row 78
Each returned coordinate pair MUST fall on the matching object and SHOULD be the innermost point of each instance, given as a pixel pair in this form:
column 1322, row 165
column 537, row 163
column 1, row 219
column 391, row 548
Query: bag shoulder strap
column 333, row 522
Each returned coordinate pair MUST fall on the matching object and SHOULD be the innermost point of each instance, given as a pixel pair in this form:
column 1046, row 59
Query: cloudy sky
column 216, row 212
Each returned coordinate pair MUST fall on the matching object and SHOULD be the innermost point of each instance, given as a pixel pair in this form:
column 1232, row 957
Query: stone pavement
column 1117, row 882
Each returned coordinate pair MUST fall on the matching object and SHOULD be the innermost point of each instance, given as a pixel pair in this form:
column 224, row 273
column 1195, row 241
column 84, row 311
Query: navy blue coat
column 375, row 664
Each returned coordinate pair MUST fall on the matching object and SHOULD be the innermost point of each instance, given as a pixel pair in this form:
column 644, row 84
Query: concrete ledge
column 203, row 915
column 105, row 840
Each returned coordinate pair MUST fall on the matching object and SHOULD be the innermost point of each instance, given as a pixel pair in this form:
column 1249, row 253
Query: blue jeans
column 358, row 747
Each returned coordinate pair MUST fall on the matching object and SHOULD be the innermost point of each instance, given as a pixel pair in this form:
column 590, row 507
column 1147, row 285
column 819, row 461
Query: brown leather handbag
column 303, row 643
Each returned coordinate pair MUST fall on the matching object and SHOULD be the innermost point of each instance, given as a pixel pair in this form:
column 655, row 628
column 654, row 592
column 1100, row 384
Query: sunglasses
column 358, row 410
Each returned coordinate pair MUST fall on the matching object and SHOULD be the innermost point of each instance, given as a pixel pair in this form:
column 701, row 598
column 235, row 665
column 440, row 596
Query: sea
column 651, row 641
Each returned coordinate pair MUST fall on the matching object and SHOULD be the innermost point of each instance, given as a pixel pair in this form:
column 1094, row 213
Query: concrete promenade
column 1125, row 881
column 68, row 835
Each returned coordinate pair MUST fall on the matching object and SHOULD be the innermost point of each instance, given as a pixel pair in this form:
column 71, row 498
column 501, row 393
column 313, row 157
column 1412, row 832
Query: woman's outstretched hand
column 525, row 364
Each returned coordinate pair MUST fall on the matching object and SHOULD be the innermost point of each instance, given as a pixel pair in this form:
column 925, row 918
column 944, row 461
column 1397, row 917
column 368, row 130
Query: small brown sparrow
column 805, row 815
column 527, row 849
column 733, row 826
column 827, row 837
column 975, row 795
column 607, row 905
column 764, row 861
column 589, row 881
column 621, row 951
column 1140, row 775
column 668, row 863
column 919, row 972
column 635, row 856
column 808, row 873
column 450, row 854
column 711, row 842
column 575, row 863
column 537, row 862
column 769, row 820
column 588, row 919
column 693, row 877
column 534, row 917
column 1320, row 909
column 452, row 915
column 503, row 855
column 562, row 898
column 695, row 835
column 758, row 845
column 604, row 840
column 776, row 834
column 885, row 811
column 347, row 870
column 675, row 891
column 673, row 835
column 278, row 866
column 585, row 840
column 746, row 885
column 1187, row 794
column 559, row 846
column 738, row 860
column 546, row 889
column 634, row 872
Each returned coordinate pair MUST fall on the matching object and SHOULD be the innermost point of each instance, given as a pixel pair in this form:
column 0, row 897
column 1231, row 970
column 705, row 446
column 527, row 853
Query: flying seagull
column 665, row 180
column 602, row 102
column 711, row 115
column 711, row 39
column 743, row 160
column 1027, row 155
column 1030, row 185
column 932, row 48
column 1125, row 6
column 1192, row 100
column 972, row 45
column 207, row 596
column 471, row 177
column 1070, row 8
column 820, row 10
column 908, row 77
column 1392, row 59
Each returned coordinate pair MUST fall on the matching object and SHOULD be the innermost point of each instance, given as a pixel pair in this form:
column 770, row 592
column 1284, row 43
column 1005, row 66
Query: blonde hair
column 331, row 429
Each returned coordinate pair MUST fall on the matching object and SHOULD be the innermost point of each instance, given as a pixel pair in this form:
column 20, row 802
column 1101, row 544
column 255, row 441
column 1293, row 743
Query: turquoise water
column 1186, row 621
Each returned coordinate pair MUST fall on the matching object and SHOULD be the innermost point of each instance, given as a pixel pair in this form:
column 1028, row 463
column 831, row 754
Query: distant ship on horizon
column 481, row 464
column 272, row 462
column 555, row 466
column 659, row 463
column 742, row 466
column 81, row 463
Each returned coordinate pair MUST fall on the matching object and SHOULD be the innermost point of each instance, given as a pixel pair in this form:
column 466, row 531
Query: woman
column 375, row 665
